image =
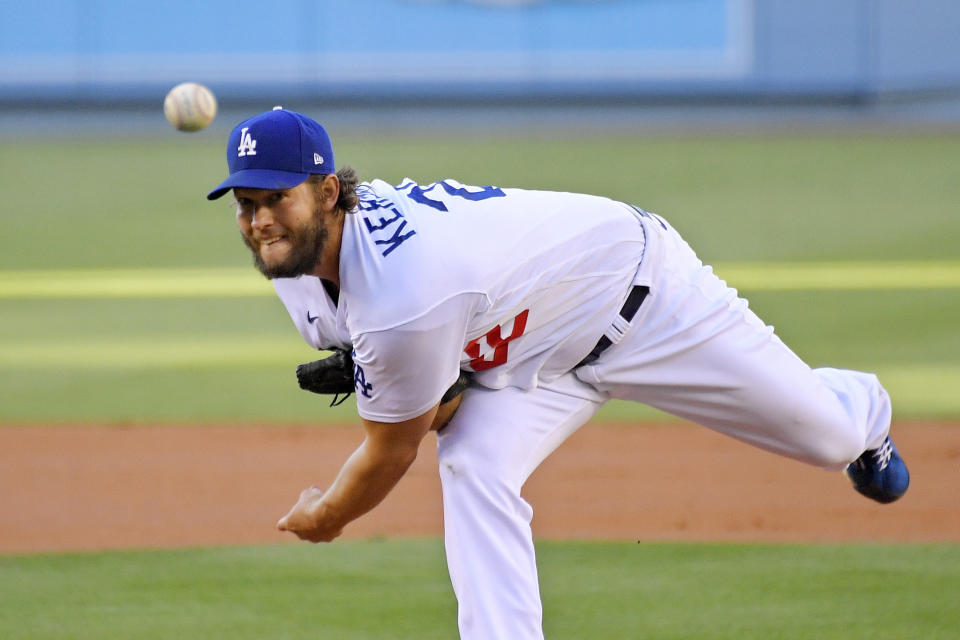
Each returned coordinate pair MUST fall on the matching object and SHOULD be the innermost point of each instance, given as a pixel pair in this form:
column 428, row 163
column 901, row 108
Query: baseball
column 190, row 106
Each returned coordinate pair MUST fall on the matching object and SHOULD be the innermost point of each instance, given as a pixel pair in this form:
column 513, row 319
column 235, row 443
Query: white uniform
column 518, row 286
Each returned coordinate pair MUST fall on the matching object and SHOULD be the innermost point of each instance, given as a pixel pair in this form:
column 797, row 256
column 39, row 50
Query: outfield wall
column 66, row 50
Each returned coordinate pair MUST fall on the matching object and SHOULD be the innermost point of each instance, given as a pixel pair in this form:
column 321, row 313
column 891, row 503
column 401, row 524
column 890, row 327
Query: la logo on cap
column 248, row 146
column 317, row 158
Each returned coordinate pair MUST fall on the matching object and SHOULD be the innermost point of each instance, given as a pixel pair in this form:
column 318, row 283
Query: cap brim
column 258, row 179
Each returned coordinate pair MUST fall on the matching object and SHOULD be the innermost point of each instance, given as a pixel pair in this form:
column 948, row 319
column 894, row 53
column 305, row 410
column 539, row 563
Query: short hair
column 348, row 199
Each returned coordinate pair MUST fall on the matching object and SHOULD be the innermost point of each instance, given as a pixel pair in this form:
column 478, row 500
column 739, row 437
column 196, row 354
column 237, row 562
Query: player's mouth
column 271, row 245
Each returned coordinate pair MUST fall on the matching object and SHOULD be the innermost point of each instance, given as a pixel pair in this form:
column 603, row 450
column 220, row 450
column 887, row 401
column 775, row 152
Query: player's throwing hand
column 306, row 518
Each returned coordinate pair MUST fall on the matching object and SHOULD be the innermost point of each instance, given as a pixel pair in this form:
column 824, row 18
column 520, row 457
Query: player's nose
column 262, row 218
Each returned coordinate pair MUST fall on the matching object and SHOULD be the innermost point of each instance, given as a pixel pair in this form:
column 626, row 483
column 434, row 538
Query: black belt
column 630, row 307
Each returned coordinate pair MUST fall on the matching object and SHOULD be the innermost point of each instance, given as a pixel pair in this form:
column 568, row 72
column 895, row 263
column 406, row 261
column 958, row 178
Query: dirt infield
column 86, row 488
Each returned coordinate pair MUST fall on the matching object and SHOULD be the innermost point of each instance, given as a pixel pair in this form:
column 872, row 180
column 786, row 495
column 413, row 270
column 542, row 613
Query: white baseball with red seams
column 190, row 106
column 518, row 286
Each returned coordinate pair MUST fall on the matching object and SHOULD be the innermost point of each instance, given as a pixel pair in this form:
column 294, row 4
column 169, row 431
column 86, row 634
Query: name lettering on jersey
column 497, row 347
column 360, row 383
column 383, row 221
column 396, row 239
column 248, row 146
column 448, row 188
column 391, row 220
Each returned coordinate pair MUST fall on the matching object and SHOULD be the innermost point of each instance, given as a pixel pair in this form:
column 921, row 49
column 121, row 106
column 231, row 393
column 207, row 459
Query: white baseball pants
column 695, row 350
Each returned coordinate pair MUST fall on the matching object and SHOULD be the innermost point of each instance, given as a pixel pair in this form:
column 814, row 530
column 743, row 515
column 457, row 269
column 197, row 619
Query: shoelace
column 881, row 457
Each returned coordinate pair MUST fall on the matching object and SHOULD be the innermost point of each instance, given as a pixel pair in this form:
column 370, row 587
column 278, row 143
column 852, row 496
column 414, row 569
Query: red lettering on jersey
column 496, row 342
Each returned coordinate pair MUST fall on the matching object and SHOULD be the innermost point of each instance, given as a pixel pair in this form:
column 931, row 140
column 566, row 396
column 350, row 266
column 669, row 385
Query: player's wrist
column 328, row 522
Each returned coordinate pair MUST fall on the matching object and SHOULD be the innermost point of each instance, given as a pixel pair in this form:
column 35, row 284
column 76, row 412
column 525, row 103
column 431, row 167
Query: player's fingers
column 287, row 522
column 310, row 492
column 294, row 521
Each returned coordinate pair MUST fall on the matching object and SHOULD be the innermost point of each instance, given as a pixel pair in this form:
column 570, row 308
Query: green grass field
column 865, row 227
column 381, row 590
column 126, row 296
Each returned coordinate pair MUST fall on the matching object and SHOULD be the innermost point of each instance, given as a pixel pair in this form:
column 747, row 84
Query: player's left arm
column 398, row 373
column 366, row 478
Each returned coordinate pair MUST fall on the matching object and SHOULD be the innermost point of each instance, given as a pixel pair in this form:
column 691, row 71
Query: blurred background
column 808, row 150
column 418, row 59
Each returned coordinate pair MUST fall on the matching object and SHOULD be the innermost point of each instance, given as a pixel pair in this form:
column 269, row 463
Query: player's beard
column 306, row 245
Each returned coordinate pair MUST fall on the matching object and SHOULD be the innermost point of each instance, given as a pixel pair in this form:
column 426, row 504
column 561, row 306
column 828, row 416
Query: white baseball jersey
column 512, row 284
column 518, row 286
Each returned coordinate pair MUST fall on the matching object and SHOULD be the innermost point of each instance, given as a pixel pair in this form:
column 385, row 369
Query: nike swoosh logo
column 309, row 318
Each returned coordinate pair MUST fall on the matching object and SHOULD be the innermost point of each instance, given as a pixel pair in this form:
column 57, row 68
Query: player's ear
column 329, row 192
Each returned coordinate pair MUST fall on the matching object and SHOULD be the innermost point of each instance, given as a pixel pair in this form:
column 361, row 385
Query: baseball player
column 544, row 306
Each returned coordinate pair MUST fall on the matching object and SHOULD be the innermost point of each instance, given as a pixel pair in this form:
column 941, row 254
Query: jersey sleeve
column 402, row 372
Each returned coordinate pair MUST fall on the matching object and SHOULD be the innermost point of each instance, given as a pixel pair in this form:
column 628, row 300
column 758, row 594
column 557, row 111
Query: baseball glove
column 333, row 375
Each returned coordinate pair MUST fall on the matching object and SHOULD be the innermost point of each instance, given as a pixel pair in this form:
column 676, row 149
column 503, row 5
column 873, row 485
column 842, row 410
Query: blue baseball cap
column 278, row 149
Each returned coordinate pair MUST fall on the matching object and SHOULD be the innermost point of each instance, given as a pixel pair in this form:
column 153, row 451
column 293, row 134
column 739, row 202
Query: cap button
column 278, row 108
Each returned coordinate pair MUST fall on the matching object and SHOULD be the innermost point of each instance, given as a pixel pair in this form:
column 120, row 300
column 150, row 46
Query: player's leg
column 494, row 442
column 697, row 351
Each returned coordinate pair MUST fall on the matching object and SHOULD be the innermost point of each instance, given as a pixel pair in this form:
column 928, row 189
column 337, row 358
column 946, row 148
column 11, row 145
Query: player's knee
column 455, row 464
column 451, row 465
column 470, row 466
